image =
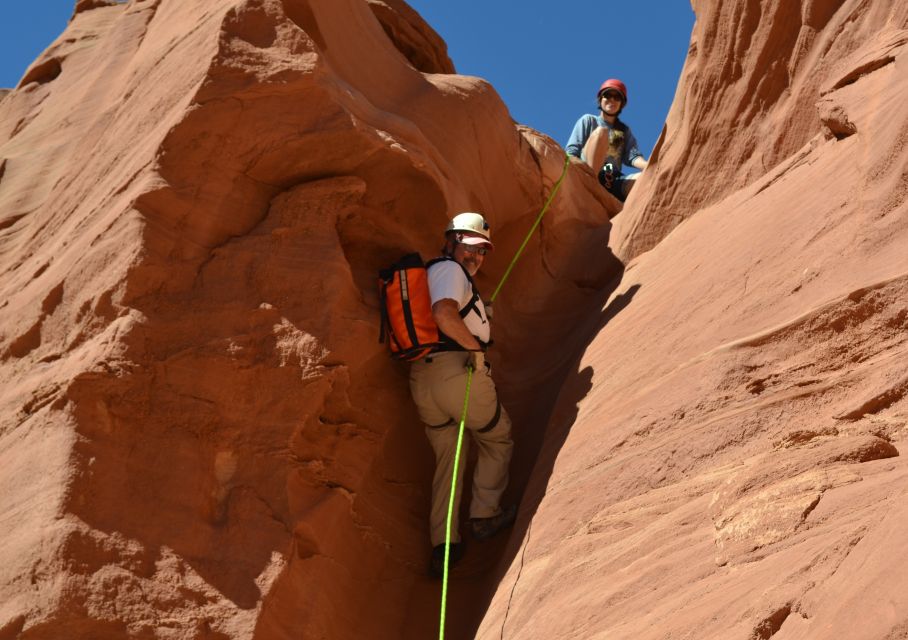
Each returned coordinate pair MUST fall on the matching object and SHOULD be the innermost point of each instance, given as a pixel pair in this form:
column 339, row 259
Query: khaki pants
column 438, row 385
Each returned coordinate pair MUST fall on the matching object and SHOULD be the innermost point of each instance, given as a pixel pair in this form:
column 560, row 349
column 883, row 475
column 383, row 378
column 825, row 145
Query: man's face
column 470, row 256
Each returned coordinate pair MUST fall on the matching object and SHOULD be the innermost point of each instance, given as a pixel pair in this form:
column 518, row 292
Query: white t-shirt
column 447, row 280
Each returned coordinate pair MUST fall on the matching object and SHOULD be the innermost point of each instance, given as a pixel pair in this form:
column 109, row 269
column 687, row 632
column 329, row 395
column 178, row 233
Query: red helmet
column 617, row 85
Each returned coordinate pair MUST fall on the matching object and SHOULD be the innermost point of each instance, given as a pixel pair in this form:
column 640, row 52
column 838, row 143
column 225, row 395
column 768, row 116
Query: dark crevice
column 412, row 36
column 813, row 505
column 43, row 73
column 877, row 403
column 88, row 5
column 301, row 13
column 860, row 72
column 547, row 422
column 13, row 628
column 526, row 543
column 41, row 399
column 768, row 627
column 25, row 343
column 52, row 300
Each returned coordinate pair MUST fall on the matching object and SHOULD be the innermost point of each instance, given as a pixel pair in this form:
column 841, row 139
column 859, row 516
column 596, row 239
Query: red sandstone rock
column 201, row 438
column 415, row 39
column 759, row 83
column 88, row 5
column 724, row 462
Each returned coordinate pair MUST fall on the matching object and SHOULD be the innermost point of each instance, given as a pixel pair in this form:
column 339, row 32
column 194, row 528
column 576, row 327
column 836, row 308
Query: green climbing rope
column 466, row 399
column 567, row 160
column 444, row 582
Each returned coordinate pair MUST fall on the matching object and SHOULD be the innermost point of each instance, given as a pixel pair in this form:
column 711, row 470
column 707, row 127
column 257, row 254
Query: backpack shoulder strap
column 435, row 261
column 471, row 304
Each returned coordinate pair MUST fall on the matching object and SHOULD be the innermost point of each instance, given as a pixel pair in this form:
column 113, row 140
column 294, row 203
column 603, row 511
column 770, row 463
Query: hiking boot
column 437, row 560
column 487, row 527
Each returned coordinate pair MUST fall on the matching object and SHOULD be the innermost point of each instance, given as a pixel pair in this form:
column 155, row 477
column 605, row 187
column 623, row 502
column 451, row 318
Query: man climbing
column 605, row 143
column 438, row 383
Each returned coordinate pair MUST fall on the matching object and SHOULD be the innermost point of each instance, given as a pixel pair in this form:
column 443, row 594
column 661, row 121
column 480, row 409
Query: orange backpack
column 406, row 309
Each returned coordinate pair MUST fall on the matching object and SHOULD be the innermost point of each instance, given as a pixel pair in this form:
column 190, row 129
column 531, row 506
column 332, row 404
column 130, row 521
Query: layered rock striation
column 727, row 459
column 200, row 436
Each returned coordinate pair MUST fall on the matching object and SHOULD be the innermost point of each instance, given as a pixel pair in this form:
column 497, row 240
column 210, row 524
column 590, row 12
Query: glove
column 488, row 306
column 477, row 361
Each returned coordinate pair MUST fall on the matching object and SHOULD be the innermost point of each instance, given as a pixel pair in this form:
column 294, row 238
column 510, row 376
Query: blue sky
column 26, row 29
column 546, row 60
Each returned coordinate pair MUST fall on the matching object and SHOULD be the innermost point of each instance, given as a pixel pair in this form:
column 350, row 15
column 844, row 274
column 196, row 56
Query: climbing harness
column 466, row 399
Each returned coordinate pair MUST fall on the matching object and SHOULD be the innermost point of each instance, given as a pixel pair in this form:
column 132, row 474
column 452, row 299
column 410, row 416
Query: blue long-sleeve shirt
column 622, row 148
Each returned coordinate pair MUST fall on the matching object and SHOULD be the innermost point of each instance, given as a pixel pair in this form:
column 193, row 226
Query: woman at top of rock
column 605, row 143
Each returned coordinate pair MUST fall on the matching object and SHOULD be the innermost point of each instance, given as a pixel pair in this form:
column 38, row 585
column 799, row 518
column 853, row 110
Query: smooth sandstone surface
column 200, row 436
column 727, row 459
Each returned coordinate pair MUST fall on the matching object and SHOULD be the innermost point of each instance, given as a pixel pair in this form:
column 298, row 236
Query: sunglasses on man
column 475, row 248
column 612, row 95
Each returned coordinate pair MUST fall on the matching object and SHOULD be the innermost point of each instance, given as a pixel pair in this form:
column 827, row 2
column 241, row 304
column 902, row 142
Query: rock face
column 761, row 81
column 727, row 458
column 200, row 436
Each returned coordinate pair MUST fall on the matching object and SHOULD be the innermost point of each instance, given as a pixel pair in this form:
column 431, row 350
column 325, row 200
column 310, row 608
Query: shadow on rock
column 545, row 413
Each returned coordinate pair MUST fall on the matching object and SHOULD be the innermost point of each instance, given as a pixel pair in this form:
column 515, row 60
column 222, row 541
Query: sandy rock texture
column 761, row 80
column 201, row 436
column 727, row 458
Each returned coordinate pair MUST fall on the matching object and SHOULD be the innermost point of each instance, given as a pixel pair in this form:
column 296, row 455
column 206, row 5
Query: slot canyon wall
column 201, row 437
column 727, row 459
